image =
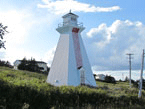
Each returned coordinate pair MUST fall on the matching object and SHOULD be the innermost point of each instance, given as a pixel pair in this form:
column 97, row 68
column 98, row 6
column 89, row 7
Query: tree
column 23, row 64
column 6, row 64
column 110, row 79
column 29, row 65
column 32, row 65
column 2, row 33
column 126, row 79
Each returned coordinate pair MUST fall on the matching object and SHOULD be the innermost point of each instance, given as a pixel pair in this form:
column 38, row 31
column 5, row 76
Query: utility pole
column 141, row 74
column 122, row 77
column 129, row 54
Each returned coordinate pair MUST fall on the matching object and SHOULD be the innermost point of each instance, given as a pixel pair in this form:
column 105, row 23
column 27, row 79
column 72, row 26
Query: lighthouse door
column 82, row 76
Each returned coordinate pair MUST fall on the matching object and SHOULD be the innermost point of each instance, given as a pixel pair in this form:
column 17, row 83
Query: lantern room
column 70, row 19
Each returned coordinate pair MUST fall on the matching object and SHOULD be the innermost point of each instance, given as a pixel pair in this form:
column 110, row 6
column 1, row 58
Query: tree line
column 30, row 65
column 5, row 64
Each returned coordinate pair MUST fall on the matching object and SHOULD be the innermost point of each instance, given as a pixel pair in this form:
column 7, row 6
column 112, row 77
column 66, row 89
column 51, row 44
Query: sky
column 113, row 28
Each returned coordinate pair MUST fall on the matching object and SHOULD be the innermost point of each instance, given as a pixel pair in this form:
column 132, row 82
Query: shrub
column 29, row 65
column 30, row 91
column 5, row 64
column 110, row 79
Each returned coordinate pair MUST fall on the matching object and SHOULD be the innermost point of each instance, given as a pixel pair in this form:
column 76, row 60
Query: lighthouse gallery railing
column 68, row 23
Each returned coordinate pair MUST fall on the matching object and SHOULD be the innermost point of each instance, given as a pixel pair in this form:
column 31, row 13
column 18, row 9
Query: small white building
column 42, row 65
column 100, row 77
column 16, row 64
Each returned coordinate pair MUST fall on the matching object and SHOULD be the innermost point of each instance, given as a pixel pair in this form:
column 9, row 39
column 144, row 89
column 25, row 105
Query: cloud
column 62, row 6
column 26, row 27
column 16, row 27
column 108, row 45
column 48, row 57
column 19, row 24
column 12, row 54
column 102, row 35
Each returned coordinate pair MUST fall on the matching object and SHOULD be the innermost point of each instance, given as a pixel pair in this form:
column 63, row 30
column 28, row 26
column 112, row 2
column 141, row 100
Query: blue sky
column 113, row 28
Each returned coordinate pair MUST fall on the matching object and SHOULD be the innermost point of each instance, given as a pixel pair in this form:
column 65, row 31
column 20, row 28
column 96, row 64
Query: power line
column 129, row 54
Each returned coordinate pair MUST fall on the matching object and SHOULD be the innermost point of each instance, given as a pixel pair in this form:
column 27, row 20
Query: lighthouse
column 70, row 65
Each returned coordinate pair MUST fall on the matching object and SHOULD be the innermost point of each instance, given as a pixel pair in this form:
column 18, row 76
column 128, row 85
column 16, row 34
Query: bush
column 5, row 64
column 29, row 65
column 110, row 79
column 26, row 89
column 136, row 84
column 15, row 97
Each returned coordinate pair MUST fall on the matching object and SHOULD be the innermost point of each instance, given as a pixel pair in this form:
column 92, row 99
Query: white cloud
column 62, row 6
column 22, row 25
column 12, row 54
column 102, row 35
column 16, row 27
column 48, row 57
column 108, row 45
column 19, row 24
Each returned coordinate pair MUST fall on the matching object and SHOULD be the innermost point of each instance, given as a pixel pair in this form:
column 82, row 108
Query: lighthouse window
column 73, row 19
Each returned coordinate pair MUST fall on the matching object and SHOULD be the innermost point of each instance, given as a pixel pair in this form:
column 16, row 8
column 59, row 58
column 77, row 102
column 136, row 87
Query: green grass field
column 24, row 89
column 21, row 78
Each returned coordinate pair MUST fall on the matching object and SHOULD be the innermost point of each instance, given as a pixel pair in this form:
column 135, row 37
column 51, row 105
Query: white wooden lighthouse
column 70, row 65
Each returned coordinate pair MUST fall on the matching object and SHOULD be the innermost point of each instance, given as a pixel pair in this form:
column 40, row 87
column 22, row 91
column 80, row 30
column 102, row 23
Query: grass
column 37, row 82
column 119, row 89
column 19, row 77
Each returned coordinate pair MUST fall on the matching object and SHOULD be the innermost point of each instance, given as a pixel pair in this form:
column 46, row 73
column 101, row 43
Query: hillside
column 24, row 89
